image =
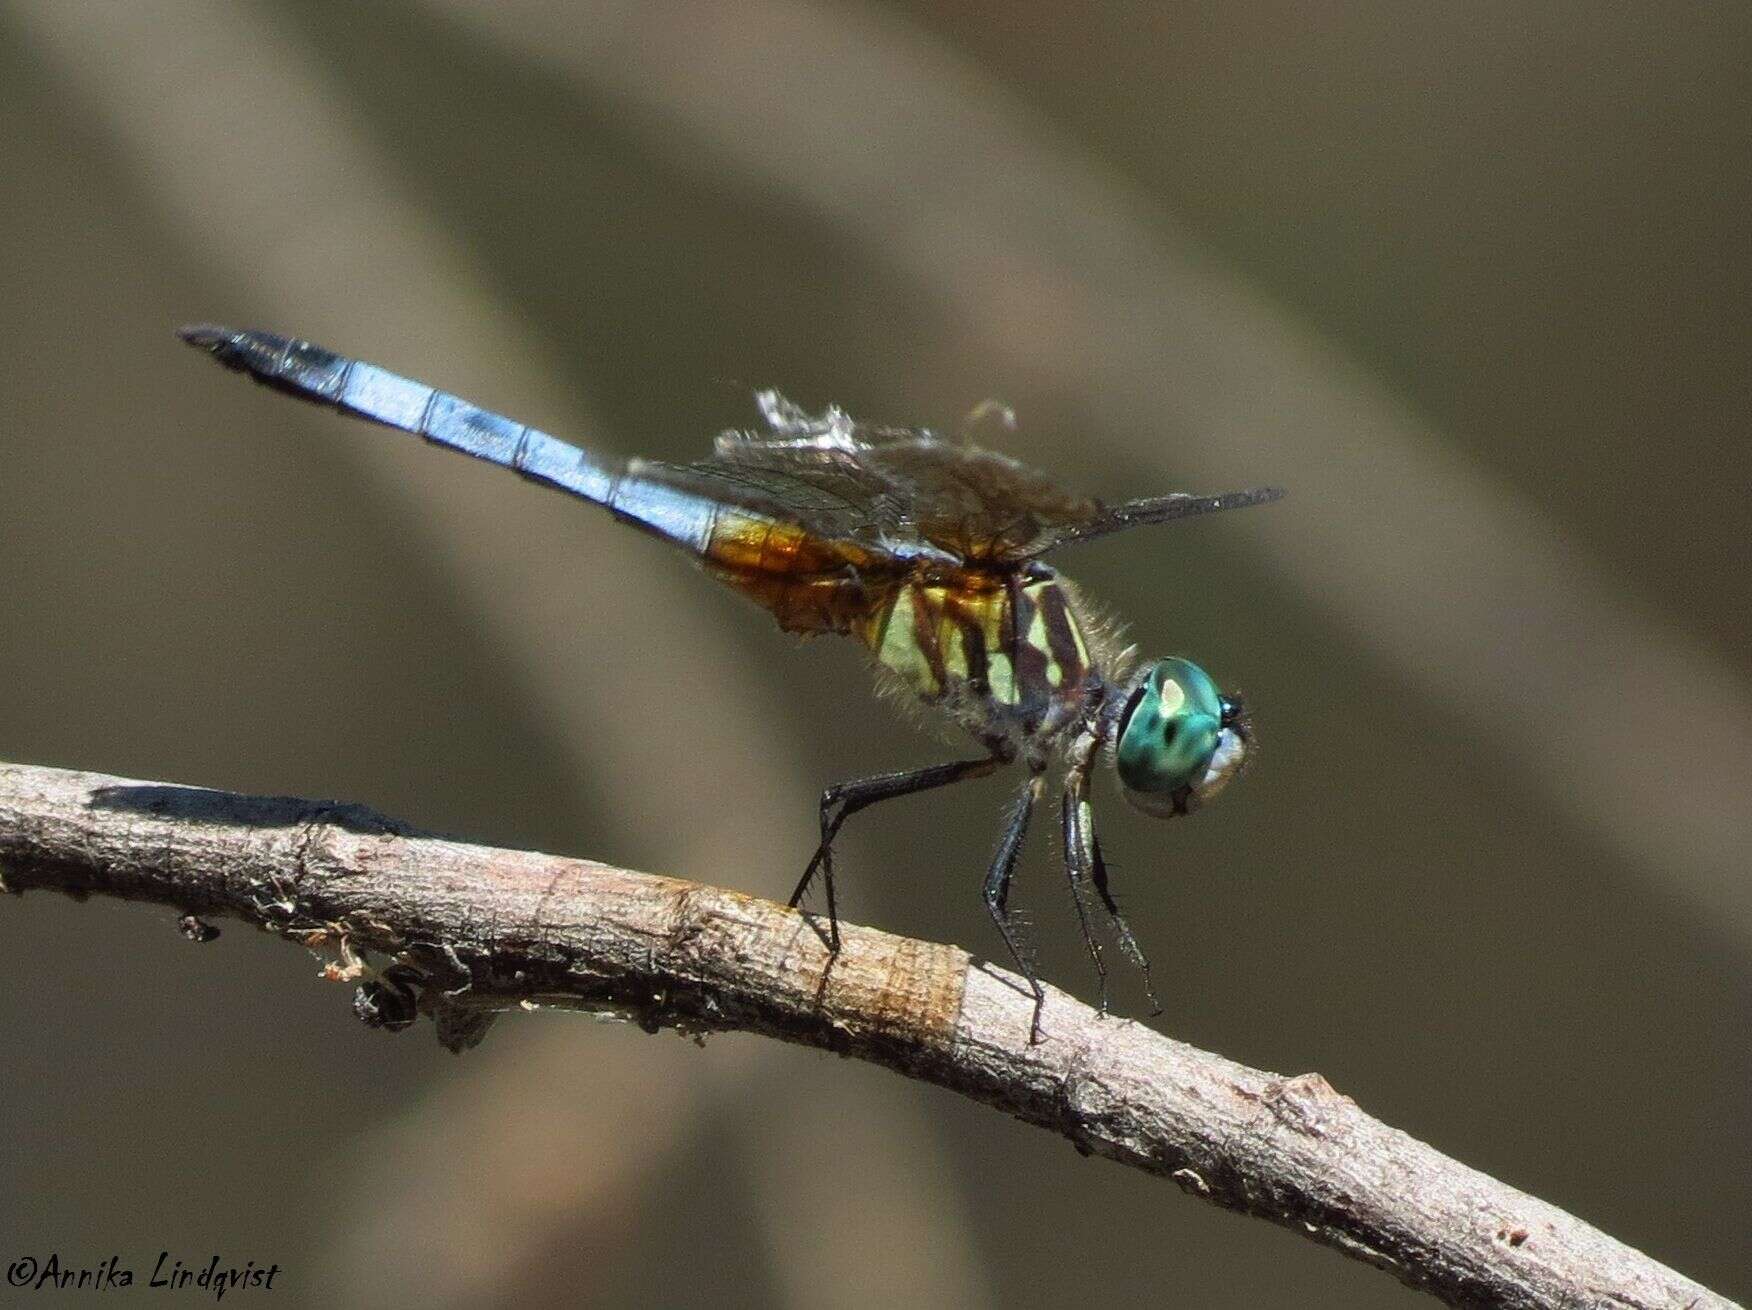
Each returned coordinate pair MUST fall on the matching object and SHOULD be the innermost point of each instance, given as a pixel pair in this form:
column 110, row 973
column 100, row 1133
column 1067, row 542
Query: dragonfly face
column 928, row 552
column 1178, row 741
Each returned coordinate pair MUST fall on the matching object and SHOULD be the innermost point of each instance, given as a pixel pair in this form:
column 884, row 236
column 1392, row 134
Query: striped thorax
column 1009, row 659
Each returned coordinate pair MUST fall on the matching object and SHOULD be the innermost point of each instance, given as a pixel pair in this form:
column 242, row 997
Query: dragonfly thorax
column 1006, row 656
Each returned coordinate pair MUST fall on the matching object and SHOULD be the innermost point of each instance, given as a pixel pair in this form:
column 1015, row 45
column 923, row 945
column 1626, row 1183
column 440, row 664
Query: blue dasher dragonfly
column 927, row 551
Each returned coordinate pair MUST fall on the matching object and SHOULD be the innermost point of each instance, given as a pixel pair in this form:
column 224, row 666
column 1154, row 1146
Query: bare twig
column 463, row 932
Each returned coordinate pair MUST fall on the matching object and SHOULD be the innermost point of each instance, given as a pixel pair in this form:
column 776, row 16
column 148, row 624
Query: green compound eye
column 1172, row 732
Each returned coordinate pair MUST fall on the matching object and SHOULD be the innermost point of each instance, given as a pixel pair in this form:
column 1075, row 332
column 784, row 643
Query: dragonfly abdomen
column 309, row 372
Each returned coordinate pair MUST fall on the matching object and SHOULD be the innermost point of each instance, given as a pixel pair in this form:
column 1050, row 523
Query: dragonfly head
column 1177, row 740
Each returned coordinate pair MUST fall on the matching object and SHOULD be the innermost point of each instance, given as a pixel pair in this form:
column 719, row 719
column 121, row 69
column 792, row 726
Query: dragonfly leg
column 997, row 893
column 1079, row 865
column 844, row 799
column 1127, row 942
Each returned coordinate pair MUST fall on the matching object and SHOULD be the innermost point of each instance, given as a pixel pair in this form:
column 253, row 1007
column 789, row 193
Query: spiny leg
column 1127, row 942
column 1080, row 825
column 997, row 893
column 1078, row 867
column 860, row 793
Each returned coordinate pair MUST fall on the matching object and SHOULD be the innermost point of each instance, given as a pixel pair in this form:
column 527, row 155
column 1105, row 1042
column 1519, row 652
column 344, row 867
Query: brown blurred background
column 1472, row 281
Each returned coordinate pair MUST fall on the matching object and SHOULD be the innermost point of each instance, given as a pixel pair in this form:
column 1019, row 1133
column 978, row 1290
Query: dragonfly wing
column 906, row 490
column 828, row 493
column 985, row 507
column 900, row 488
column 1151, row 509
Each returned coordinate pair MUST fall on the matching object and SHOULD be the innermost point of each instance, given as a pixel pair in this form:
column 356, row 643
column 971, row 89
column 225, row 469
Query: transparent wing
column 895, row 488
column 814, row 472
column 1150, row 509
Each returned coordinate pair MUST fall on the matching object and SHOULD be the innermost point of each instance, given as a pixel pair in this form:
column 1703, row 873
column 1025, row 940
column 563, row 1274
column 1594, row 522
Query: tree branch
column 462, row 932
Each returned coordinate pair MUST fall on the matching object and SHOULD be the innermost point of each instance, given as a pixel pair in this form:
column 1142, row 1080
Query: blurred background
column 1471, row 281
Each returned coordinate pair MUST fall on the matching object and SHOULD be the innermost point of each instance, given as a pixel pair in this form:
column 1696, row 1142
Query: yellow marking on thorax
column 960, row 643
column 1001, row 673
column 939, row 637
column 899, row 646
column 1039, row 638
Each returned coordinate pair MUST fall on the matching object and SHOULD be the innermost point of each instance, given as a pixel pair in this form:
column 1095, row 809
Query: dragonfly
column 928, row 552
